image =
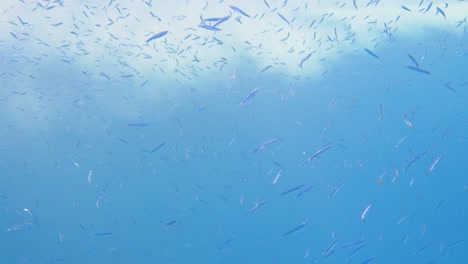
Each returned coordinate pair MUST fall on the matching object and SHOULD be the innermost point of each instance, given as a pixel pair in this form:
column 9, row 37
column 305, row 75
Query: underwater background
column 233, row 131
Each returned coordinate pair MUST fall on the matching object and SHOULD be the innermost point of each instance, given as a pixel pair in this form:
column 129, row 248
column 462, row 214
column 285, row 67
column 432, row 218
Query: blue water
column 120, row 147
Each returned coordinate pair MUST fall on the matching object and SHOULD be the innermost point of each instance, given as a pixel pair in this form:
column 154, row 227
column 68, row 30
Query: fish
column 450, row 87
column 285, row 38
column 408, row 123
column 387, row 30
column 395, row 174
column 212, row 28
column 416, row 158
column 20, row 226
column 337, row 188
column 90, row 177
column 371, row 53
column 303, row 59
column 308, row 188
column 369, row 260
column 434, row 164
column 320, row 151
column 105, row 75
column 212, row 19
column 21, row 21
column 428, row 7
column 365, row 212
column 13, row 34
column 265, row 69
column 295, row 229
column 333, row 102
column 405, row 8
column 103, row 234
column 381, row 112
column 455, row 243
column 265, row 144
column 250, row 96
column 439, row 11
column 227, row 242
column 330, row 247
column 218, row 41
column 276, row 178
column 413, row 60
column 158, row 147
column 256, row 207
column 238, row 10
column 417, row 69
column 137, row 124
column 222, row 20
column 170, row 223
column 355, row 251
column 295, row 188
column 352, row 244
column 156, row 36
column 283, row 18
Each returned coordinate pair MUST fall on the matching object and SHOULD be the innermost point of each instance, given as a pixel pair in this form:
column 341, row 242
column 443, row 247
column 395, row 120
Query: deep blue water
column 119, row 148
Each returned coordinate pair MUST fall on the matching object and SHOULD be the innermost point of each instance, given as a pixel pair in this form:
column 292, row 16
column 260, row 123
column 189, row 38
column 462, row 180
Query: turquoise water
column 233, row 132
